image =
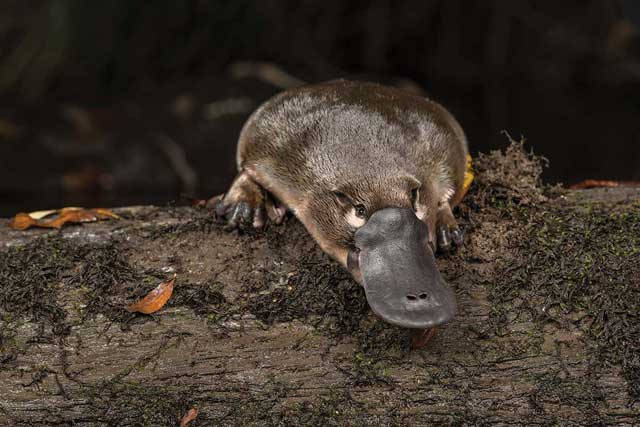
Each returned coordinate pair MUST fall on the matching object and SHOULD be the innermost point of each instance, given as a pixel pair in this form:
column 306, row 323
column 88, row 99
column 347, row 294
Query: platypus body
column 373, row 173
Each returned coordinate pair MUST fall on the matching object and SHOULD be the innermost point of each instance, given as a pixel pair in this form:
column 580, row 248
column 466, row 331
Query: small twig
column 179, row 162
column 266, row 72
column 63, row 392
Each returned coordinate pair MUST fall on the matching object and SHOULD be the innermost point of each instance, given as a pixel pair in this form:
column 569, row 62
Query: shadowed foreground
column 264, row 329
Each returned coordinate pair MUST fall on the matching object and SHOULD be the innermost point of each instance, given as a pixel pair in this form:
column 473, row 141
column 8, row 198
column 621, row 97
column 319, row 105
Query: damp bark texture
column 264, row 329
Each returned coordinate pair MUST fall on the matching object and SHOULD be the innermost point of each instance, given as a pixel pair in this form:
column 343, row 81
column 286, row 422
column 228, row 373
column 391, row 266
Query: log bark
column 248, row 341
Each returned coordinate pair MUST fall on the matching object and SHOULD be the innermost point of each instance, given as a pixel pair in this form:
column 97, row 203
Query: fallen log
column 264, row 329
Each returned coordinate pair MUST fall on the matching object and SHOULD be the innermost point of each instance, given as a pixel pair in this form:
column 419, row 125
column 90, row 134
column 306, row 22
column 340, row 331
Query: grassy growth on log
column 577, row 266
column 322, row 293
column 548, row 263
column 29, row 279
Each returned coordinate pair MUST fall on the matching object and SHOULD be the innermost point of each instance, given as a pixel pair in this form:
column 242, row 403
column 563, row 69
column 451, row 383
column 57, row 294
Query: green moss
column 138, row 404
column 104, row 274
column 188, row 221
column 574, row 267
column 559, row 388
column 335, row 409
column 36, row 374
column 33, row 276
column 582, row 264
column 205, row 299
column 507, row 180
column 321, row 293
column 367, row 370
column 564, row 263
column 29, row 279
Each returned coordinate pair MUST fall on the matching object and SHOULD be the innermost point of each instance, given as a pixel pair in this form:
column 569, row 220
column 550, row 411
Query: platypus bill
column 373, row 174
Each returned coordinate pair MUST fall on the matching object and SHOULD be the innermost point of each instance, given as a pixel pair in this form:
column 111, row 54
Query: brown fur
column 372, row 143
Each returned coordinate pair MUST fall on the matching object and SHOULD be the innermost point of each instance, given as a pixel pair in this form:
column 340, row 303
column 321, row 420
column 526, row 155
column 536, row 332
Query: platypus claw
column 239, row 216
column 448, row 234
column 449, row 237
column 242, row 215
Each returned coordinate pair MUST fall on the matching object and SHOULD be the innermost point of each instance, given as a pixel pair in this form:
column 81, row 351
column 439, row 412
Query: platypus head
column 383, row 231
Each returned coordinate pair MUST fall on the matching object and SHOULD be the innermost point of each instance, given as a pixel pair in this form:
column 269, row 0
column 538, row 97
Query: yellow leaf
column 468, row 176
column 42, row 214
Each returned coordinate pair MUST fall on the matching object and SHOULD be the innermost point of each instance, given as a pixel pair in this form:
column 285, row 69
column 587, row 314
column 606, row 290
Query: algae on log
column 264, row 329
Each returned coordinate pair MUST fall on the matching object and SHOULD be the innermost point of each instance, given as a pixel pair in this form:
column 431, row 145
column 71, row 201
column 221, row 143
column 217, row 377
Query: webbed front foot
column 247, row 205
column 448, row 233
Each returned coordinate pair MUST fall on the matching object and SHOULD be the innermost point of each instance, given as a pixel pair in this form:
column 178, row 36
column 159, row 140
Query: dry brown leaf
column 69, row 209
column 22, row 221
column 595, row 183
column 74, row 216
column 155, row 299
column 103, row 213
column 189, row 416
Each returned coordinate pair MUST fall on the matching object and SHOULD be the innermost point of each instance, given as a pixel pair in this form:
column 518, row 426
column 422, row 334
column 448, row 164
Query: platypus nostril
column 423, row 295
column 412, row 297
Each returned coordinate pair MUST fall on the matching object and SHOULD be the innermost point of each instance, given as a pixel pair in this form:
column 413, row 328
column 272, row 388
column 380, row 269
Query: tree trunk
column 264, row 329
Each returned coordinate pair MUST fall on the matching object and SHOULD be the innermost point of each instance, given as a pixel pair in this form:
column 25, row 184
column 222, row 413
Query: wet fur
column 374, row 144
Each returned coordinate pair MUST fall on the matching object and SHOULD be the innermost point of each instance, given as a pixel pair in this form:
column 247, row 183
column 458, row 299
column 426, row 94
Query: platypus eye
column 361, row 211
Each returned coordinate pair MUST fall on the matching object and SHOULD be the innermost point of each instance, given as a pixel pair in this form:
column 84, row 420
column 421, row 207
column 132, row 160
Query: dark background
column 130, row 102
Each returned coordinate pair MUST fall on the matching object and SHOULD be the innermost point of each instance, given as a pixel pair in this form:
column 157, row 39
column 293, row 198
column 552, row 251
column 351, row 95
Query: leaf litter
column 70, row 215
column 155, row 299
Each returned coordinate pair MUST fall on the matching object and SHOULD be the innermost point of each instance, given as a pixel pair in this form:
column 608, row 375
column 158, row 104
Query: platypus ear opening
column 414, row 188
column 415, row 193
column 342, row 198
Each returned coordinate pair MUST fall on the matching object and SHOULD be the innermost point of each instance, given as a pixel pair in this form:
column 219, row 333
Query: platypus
column 373, row 173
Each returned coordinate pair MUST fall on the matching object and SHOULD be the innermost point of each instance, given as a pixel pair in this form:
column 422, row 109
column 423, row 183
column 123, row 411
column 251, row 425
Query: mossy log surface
column 264, row 329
